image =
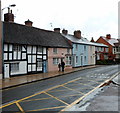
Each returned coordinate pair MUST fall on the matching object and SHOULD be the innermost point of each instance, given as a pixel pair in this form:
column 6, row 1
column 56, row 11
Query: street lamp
column 12, row 5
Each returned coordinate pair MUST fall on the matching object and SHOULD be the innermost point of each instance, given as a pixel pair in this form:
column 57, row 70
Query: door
column 6, row 71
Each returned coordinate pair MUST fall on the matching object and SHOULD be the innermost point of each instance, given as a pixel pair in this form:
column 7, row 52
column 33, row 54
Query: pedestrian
column 59, row 66
column 63, row 65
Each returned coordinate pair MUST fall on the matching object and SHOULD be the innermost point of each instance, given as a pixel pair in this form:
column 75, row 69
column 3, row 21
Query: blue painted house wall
column 80, row 54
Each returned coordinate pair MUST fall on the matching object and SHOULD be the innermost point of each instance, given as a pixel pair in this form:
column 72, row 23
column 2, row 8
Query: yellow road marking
column 57, row 90
column 48, row 98
column 72, row 89
column 86, row 85
column 39, row 93
column 56, row 98
column 36, row 99
column 78, row 100
column 21, row 109
column 47, row 108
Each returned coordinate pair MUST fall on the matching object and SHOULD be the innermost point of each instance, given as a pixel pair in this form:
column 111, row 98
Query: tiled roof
column 111, row 41
column 80, row 41
column 21, row 34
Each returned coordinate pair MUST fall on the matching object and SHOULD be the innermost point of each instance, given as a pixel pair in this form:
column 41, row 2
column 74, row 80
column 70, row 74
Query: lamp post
column 12, row 5
column 2, row 37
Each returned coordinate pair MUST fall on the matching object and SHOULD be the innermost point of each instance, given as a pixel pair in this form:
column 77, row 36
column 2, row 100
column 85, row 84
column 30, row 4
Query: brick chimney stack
column 65, row 32
column 57, row 30
column 9, row 17
column 77, row 34
column 108, row 36
column 28, row 23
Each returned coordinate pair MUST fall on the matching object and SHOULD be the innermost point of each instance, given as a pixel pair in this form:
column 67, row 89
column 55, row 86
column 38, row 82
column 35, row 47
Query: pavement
column 107, row 99
column 24, row 79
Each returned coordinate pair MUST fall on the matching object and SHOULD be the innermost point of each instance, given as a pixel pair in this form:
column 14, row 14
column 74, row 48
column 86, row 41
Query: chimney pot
column 65, row 32
column 108, row 36
column 57, row 30
column 28, row 23
column 77, row 34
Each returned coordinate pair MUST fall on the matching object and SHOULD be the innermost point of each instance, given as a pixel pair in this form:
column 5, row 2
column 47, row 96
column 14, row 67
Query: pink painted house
column 56, row 55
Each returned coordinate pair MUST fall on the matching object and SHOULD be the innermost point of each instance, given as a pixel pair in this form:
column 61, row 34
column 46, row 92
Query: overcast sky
column 94, row 18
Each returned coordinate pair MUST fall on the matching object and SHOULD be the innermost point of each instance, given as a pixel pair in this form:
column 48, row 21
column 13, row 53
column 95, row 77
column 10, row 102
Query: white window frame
column 17, row 48
column 14, row 67
column 68, row 60
column 55, row 61
column 55, row 51
column 76, row 60
column 39, row 49
column 39, row 63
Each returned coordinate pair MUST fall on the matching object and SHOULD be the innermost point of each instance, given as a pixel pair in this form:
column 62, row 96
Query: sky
column 94, row 18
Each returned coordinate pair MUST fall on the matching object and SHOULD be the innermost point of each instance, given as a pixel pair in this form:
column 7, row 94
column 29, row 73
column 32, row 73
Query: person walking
column 59, row 66
column 63, row 65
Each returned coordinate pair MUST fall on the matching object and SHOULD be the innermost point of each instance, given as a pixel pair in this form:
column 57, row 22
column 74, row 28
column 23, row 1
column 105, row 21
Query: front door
column 6, row 71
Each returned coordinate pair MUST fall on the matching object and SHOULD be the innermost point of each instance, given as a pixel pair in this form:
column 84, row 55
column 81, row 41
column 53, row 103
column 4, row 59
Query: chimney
column 92, row 40
column 9, row 17
column 77, row 34
column 65, row 32
column 28, row 23
column 57, row 30
column 108, row 36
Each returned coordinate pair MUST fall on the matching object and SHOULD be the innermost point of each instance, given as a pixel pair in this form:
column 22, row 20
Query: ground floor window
column 68, row 60
column 14, row 67
column 55, row 60
column 39, row 63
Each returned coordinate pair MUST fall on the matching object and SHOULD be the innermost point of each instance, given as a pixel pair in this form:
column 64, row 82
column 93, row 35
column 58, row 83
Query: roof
column 111, row 41
column 21, row 34
column 99, row 44
column 80, row 41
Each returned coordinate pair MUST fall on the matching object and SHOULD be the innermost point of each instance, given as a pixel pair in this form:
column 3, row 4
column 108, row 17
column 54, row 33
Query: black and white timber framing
column 31, row 59
column 26, row 48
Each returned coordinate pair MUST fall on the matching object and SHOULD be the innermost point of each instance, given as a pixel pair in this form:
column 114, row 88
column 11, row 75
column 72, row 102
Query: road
column 56, row 93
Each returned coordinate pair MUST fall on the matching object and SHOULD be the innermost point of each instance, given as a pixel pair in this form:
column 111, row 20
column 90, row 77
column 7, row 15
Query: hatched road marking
column 47, row 92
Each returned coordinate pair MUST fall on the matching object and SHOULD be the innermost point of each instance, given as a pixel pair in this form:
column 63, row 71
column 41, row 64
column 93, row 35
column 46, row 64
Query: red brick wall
column 110, row 48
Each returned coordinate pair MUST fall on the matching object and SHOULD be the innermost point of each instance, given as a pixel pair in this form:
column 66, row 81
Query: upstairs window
column 17, row 48
column 76, row 46
column 68, row 51
column 40, row 49
column 55, row 51
column 84, row 48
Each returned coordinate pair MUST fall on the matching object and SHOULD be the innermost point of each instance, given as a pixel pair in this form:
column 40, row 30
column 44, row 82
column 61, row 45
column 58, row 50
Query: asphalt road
column 56, row 93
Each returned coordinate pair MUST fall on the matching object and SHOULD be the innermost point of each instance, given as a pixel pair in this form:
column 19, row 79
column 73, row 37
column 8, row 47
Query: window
column 68, row 60
column 68, row 51
column 16, row 48
column 85, row 59
column 76, row 47
column 106, row 49
column 55, row 50
column 39, row 63
column 84, row 48
column 55, row 60
column 14, row 67
column 40, row 49
column 76, row 59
